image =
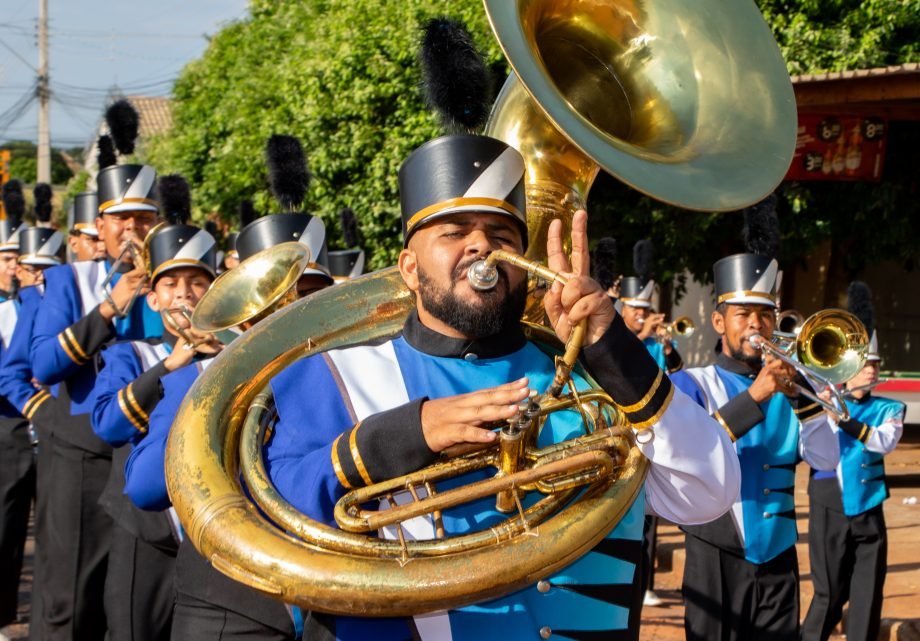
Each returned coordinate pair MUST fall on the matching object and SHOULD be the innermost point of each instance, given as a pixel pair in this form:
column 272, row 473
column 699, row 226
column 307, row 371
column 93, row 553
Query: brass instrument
column 129, row 252
column 851, row 392
column 257, row 287
column 591, row 89
column 789, row 323
column 683, row 327
column 830, row 349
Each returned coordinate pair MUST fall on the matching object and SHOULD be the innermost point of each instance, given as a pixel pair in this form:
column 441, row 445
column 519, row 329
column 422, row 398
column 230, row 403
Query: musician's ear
column 152, row 301
column 718, row 322
column 408, row 268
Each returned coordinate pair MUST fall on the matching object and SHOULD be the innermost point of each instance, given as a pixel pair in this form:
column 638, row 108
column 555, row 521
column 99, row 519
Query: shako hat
column 746, row 279
column 83, row 215
column 859, row 303
column 636, row 294
column 346, row 263
column 10, row 230
column 275, row 229
column 461, row 173
column 175, row 246
column 126, row 188
column 40, row 246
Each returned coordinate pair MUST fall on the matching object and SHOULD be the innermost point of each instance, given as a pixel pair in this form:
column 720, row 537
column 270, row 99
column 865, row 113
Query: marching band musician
column 741, row 573
column 636, row 307
column 847, row 538
column 77, row 316
column 139, row 590
column 40, row 405
column 462, row 359
column 210, row 605
column 207, row 602
column 17, row 469
column 83, row 237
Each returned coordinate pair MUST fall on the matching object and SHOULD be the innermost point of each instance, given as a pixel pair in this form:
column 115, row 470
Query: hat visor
column 313, row 270
column 750, row 299
column 89, row 230
column 463, row 209
column 636, row 302
column 873, row 357
column 179, row 264
column 117, row 209
column 9, row 247
column 42, row 261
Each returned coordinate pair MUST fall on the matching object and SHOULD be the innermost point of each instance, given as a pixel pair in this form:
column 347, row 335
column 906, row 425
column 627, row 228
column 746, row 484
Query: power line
column 16, row 54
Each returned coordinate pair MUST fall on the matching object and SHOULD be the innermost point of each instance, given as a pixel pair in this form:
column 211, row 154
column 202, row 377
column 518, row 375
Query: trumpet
column 683, row 327
column 830, row 349
column 128, row 253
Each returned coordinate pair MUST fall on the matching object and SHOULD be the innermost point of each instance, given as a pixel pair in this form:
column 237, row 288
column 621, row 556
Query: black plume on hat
column 455, row 75
column 859, row 302
column 761, row 228
column 604, row 261
column 106, row 156
column 123, row 122
column 643, row 259
column 43, row 196
column 13, row 202
column 287, row 171
column 349, row 226
column 175, row 199
column 247, row 213
column 211, row 227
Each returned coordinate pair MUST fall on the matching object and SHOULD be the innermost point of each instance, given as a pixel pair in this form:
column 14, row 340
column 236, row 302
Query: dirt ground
column 901, row 608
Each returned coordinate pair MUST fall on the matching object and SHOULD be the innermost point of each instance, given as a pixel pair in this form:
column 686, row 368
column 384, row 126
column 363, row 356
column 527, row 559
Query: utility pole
column 44, row 97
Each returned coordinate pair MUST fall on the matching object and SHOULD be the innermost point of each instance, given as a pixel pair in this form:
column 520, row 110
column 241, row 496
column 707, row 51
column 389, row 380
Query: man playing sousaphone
column 361, row 414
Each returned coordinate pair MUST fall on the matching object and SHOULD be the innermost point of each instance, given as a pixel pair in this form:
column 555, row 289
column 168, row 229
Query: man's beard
column 754, row 361
column 495, row 313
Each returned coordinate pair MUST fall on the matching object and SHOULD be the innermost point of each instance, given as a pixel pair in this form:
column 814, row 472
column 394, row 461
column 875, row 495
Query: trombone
column 192, row 341
column 829, row 349
column 851, row 392
column 789, row 322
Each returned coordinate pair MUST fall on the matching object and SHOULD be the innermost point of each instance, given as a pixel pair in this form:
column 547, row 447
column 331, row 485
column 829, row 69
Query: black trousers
column 43, row 486
column 139, row 589
column 195, row 620
column 77, row 537
column 17, row 489
column 848, row 556
column 649, row 549
column 728, row 598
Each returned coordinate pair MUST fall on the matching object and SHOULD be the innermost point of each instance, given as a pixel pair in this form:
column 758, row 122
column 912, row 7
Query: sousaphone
column 687, row 102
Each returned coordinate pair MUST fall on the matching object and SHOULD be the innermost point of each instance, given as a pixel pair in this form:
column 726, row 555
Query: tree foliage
column 342, row 76
column 24, row 162
column 345, row 78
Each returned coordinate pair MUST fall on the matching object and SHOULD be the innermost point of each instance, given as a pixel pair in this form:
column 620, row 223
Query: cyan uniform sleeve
column 15, row 367
column 694, row 476
column 303, row 454
column 63, row 341
column 118, row 416
column 145, row 477
column 884, row 437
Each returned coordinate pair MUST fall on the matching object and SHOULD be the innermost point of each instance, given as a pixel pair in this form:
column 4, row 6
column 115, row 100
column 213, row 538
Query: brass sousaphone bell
column 688, row 102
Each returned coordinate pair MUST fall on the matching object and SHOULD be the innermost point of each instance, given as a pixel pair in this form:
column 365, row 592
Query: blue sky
column 96, row 45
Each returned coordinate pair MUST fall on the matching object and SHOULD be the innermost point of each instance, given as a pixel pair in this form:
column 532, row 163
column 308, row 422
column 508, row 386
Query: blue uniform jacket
column 69, row 329
column 15, row 366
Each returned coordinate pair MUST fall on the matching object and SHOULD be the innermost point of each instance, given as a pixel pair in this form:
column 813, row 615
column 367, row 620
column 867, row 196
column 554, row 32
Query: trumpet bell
column 689, row 103
column 253, row 289
column 834, row 344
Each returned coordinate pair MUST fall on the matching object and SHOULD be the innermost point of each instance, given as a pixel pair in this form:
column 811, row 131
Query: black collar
column 5, row 295
column 735, row 367
column 431, row 342
column 860, row 401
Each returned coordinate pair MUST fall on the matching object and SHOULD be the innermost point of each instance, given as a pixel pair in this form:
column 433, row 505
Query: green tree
column 24, row 162
column 344, row 77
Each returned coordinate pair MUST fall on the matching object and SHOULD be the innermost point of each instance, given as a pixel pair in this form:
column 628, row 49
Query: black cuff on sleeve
column 805, row 408
column 625, row 370
column 146, row 387
column 383, row 446
column 739, row 415
column 87, row 336
column 673, row 361
column 855, row 428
